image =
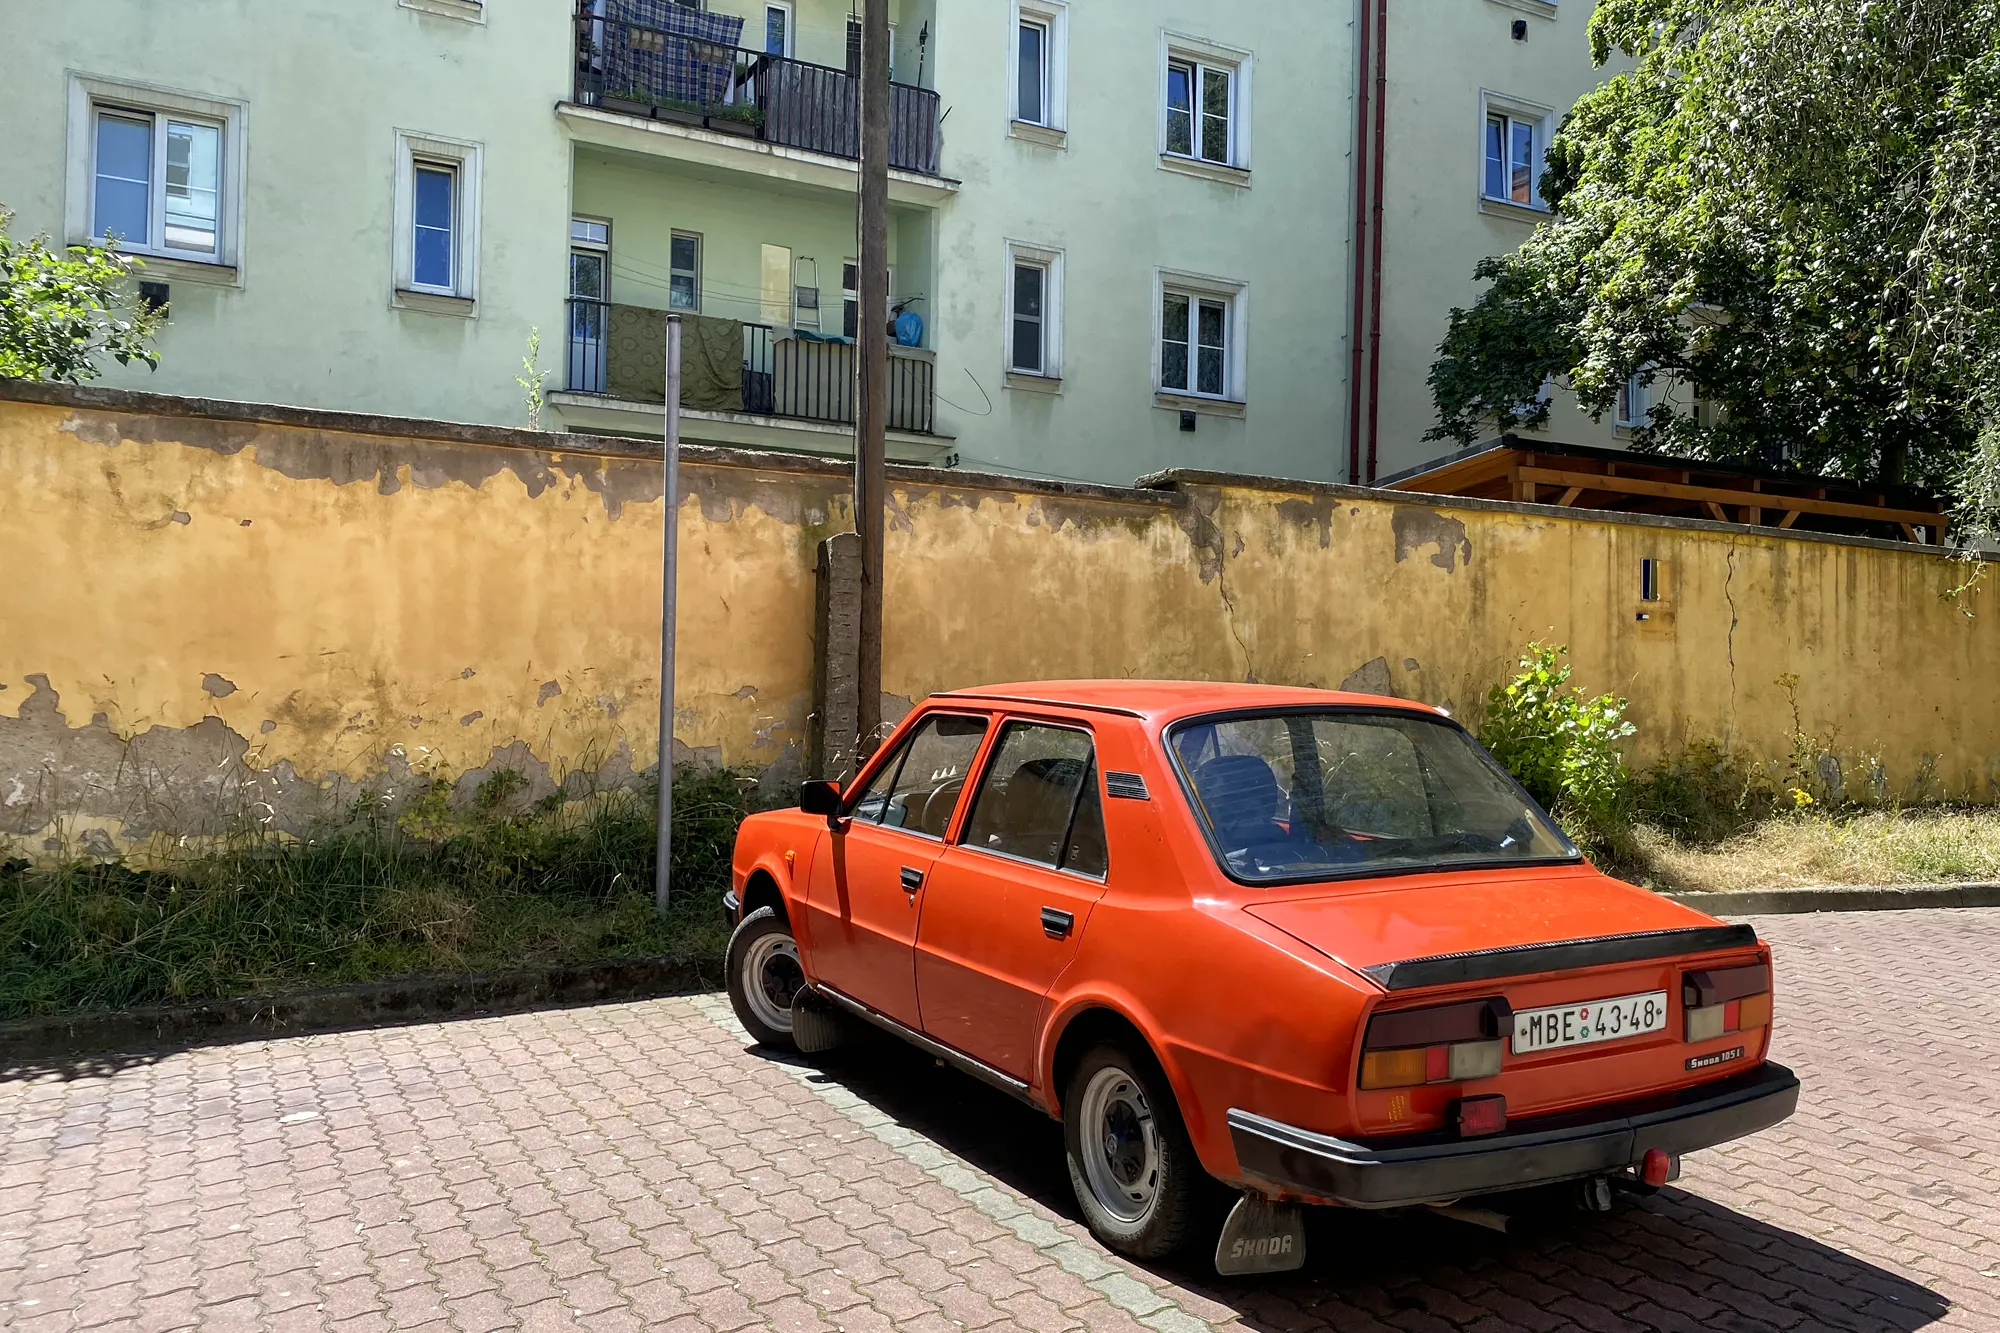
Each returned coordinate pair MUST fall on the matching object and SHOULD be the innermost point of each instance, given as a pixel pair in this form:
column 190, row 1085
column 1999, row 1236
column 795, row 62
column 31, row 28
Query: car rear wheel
column 764, row 976
column 1130, row 1162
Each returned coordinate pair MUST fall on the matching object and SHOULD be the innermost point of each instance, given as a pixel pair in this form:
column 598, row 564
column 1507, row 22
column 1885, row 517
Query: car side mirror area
column 822, row 798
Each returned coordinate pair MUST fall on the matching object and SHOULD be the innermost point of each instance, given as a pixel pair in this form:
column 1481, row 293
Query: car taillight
column 1446, row 1043
column 1727, row 1000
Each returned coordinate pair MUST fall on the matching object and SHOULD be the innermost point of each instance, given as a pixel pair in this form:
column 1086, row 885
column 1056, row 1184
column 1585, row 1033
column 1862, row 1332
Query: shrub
column 1561, row 744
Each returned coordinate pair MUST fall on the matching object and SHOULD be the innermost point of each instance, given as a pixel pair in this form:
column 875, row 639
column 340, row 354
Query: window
column 1634, row 402
column 156, row 183
column 1649, row 580
column 1324, row 793
column 1196, row 340
column 437, row 219
column 1512, row 145
column 684, row 271
column 1205, row 106
column 778, row 29
column 1034, row 311
column 589, row 294
column 850, row 299
column 918, row 787
column 854, row 44
column 1031, row 85
column 1039, row 800
column 1038, row 62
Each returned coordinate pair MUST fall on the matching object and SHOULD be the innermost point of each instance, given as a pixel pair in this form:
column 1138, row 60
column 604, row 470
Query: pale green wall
column 1433, row 230
column 327, row 84
column 1117, row 216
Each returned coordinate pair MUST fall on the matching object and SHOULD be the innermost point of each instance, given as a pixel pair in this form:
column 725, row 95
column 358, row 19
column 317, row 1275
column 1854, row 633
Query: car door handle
column 913, row 879
column 1056, row 923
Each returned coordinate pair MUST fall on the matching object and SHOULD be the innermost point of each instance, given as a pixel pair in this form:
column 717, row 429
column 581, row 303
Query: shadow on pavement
column 1671, row 1261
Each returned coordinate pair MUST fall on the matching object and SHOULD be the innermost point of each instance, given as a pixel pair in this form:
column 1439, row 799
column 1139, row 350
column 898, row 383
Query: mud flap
column 816, row 1025
column 1261, row 1236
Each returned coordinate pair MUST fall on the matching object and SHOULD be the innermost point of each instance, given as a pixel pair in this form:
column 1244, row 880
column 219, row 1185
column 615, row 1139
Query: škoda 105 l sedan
column 1315, row 946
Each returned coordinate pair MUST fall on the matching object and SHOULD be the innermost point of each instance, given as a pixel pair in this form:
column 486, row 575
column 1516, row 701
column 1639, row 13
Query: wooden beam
column 1569, row 496
column 1750, row 514
column 1716, row 511
column 1716, row 497
column 1791, row 517
column 1910, row 531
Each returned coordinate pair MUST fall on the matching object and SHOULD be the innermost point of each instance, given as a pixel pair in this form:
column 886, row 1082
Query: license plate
column 1593, row 1020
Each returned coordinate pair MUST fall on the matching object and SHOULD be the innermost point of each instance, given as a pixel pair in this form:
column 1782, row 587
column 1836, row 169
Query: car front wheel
column 764, row 976
column 1130, row 1162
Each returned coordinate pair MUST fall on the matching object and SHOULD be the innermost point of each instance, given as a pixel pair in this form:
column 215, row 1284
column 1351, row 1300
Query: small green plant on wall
column 532, row 378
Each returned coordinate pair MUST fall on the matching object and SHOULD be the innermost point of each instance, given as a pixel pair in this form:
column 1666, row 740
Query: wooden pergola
column 1580, row 477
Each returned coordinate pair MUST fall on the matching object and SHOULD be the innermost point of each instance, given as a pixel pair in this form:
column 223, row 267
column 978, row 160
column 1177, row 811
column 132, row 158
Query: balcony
column 675, row 66
column 731, row 371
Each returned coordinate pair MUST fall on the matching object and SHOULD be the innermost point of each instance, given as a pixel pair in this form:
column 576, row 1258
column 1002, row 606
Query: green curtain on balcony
column 711, row 359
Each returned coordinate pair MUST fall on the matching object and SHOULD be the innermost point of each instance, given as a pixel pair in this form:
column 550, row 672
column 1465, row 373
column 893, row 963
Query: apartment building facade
column 1122, row 234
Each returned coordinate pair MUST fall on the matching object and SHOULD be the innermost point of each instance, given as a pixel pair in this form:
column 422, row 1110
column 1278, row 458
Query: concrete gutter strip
column 1841, row 898
column 28, row 1043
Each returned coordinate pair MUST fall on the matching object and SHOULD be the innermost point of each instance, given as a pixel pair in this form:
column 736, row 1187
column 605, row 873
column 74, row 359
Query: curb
column 46, row 1044
column 1840, row 898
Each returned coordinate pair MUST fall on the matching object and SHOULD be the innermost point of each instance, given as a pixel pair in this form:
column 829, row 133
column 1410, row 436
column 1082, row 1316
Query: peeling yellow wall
column 206, row 618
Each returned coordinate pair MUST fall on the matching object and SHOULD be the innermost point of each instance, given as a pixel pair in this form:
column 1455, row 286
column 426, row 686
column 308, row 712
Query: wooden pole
column 871, row 422
column 669, row 578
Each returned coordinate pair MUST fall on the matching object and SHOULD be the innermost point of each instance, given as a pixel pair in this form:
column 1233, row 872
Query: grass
column 1924, row 845
column 424, row 888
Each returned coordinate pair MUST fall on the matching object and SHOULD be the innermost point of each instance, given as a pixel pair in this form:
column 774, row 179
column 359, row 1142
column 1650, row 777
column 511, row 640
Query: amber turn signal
column 1394, row 1069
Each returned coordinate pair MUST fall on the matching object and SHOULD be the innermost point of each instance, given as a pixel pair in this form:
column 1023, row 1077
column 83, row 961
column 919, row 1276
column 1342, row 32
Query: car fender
column 773, row 846
column 1123, row 1003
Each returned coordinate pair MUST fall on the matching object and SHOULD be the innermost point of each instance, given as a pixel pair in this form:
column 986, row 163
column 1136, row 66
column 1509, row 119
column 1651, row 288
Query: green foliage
column 61, row 310
column 1561, row 744
column 422, row 888
column 1791, row 204
column 532, row 378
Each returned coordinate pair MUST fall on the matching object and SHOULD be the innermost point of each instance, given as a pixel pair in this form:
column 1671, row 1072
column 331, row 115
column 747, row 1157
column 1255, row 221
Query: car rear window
column 1326, row 793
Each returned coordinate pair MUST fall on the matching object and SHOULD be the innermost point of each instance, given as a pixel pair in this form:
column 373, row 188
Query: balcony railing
column 619, row 351
column 660, row 74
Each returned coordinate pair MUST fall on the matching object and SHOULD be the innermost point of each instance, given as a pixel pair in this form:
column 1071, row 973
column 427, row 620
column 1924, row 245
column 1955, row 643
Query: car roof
column 1166, row 700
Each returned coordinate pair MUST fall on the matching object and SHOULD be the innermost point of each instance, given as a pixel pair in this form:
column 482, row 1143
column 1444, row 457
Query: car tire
column 1133, row 1168
column 764, row 977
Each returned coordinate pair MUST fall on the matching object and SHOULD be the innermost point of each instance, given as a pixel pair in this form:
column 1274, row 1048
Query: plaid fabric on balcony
column 668, row 52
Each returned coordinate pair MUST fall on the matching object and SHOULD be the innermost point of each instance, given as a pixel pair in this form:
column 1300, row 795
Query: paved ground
column 635, row 1166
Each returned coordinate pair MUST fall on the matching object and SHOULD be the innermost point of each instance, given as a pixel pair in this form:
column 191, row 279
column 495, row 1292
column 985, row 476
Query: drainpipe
column 1375, row 230
column 1356, row 332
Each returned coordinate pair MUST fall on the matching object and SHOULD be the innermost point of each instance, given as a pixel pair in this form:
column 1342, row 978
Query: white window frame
column 1180, row 48
column 1052, row 16
column 87, row 94
column 677, row 234
column 1542, row 118
column 791, row 27
column 1235, row 297
column 463, row 157
column 1050, row 261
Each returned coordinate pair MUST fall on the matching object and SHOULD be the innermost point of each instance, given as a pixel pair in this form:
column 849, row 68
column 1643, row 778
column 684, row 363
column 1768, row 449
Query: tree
column 1792, row 205
column 61, row 310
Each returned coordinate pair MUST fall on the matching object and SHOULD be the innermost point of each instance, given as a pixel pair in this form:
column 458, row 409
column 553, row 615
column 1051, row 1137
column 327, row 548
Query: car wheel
column 1130, row 1162
column 764, row 976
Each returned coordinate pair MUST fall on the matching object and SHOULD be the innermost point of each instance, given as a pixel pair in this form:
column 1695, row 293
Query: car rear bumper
column 1390, row 1172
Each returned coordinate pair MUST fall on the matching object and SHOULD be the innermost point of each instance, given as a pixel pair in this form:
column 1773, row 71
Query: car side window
column 918, row 787
column 1039, row 800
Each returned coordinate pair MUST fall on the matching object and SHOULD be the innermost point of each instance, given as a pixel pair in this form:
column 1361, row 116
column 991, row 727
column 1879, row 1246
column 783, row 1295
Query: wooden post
column 669, row 577
column 871, row 421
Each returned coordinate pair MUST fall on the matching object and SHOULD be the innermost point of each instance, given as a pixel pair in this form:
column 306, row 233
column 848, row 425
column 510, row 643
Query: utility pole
column 669, row 577
column 871, row 422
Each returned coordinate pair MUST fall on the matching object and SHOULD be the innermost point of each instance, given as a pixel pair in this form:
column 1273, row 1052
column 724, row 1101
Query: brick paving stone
column 634, row 1166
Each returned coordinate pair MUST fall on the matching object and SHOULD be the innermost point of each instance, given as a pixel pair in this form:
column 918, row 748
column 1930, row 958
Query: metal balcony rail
column 663, row 75
column 784, row 375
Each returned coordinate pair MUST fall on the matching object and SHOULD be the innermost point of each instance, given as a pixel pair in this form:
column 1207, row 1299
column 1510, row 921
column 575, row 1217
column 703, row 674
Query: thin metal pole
column 871, row 422
column 669, row 577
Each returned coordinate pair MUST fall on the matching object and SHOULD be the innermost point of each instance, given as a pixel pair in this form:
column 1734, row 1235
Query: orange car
column 1316, row 946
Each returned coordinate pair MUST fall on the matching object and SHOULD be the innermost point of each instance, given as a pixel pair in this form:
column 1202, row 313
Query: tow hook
column 1261, row 1235
column 1593, row 1194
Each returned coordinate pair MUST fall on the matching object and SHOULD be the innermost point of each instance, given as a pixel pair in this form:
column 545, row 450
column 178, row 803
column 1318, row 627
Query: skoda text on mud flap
column 1317, row 946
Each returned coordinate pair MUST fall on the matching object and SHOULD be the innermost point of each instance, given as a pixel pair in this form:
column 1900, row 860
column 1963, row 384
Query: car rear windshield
column 1329, row 793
